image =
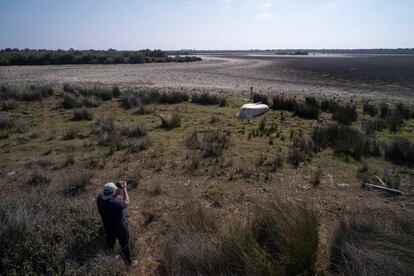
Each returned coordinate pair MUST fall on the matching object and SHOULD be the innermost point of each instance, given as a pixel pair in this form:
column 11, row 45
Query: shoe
column 134, row 263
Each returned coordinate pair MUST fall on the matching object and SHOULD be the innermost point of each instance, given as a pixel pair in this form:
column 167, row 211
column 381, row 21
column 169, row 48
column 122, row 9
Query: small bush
column 172, row 97
column 131, row 99
column 106, row 132
column 316, row 177
column 213, row 144
column 283, row 103
column 384, row 110
column 370, row 246
column 70, row 101
column 76, row 183
column 44, row 234
column 170, row 120
column 369, row 108
column 279, row 239
column 260, row 98
column 310, row 109
column 138, row 145
column 21, row 125
column 370, row 126
column 31, row 95
column 145, row 109
column 345, row 114
column 39, row 178
column 70, row 134
column 274, row 162
column 208, row 99
column 400, row 151
column 329, row 105
column 6, row 122
column 345, row 139
column 80, row 114
column 9, row 93
column 137, row 130
column 403, row 110
column 116, row 92
column 9, row 104
column 192, row 141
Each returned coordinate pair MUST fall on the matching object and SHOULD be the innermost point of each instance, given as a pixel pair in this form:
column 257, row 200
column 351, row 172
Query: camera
column 121, row 184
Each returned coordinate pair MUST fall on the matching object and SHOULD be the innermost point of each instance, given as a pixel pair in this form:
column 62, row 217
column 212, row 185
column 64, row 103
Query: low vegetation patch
column 279, row 238
column 208, row 99
column 309, row 109
column 170, row 120
column 281, row 102
column 366, row 246
column 345, row 114
column 44, row 234
column 80, row 114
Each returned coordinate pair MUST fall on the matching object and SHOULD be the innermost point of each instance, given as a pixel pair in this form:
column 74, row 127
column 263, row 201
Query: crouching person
column 111, row 204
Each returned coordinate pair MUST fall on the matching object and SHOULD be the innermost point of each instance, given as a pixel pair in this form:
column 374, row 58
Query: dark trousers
column 122, row 235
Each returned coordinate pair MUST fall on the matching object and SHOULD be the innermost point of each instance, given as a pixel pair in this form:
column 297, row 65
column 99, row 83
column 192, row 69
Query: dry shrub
column 105, row 130
column 39, row 177
column 400, row 151
column 370, row 108
column 260, row 98
column 70, row 134
column 213, row 144
column 170, row 120
column 77, row 182
column 6, row 123
column 172, row 97
column 278, row 238
column 208, row 99
column 138, row 145
column 137, row 130
column 282, row 102
column 367, row 246
column 316, row 177
column 310, row 109
column 302, row 148
column 80, row 114
column 9, row 104
column 345, row 114
column 116, row 92
column 44, row 234
column 345, row 139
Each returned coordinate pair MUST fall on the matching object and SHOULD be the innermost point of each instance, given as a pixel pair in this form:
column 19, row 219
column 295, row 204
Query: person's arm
column 125, row 195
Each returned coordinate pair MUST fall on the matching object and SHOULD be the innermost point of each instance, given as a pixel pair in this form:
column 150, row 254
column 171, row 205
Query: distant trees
column 10, row 56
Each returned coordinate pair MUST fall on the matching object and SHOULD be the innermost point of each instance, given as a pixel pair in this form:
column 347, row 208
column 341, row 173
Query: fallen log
column 389, row 190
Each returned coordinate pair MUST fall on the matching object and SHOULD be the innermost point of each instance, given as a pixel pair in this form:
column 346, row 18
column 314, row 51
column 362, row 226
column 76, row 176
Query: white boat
column 252, row 110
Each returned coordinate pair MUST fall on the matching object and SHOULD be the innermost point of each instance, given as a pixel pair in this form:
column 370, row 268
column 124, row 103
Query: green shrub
column 310, row 109
column 39, row 177
column 172, row 97
column 77, row 182
column 369, row 108
column 116, row 92
column 400, row 151
column 345, row 114
column 6, row 123
column 170, row 120
column 278, row 239
column 137, row 130
column 9, row 104
column 213, row 144
column 260, row 98
column 80, row 114
column 43, row 234
column 374, row 246
column 281, row 102
column 345, row 139
column 207, row 99
column 106, row 132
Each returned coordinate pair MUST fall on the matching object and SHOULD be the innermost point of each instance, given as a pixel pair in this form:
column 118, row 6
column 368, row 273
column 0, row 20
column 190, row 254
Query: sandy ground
column 344, row 75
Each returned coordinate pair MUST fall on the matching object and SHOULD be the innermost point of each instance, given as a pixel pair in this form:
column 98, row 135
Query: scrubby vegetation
column 365, row 246
column 55, row 153
column 42, row 233
column 279, row 239
column 111, row 56
column 208, row 99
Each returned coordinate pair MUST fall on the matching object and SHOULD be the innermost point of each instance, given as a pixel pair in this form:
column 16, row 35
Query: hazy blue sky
column 207, row 24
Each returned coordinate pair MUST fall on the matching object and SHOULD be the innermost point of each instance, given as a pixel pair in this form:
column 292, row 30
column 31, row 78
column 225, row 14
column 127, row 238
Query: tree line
column 10, row 56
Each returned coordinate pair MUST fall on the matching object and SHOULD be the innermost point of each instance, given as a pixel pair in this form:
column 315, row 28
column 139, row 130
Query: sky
column 206, row 24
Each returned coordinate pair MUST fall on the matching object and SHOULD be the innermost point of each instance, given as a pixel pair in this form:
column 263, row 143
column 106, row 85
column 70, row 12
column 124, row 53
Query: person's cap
column 109, row 188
